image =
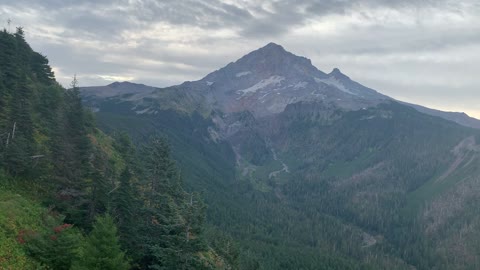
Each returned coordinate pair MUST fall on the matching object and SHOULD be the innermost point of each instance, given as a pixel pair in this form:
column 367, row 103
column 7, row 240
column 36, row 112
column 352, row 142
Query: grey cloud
column 288, row 14
column 412, row 59
column 209, row 14
column 87, row 16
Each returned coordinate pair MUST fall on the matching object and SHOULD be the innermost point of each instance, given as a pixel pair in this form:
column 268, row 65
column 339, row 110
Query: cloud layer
column 423, row 51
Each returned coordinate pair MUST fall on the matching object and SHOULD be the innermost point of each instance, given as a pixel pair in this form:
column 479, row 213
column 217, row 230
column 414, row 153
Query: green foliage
column 225, row 246
column 55, row 246
column 17, row 214
column 51, row 150
column 43, row 129
column 101, row 249
column 124, row 208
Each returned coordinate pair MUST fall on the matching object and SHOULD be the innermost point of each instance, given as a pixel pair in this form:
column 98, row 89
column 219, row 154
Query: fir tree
column 102, row 249
column 173, row 219
column 76, row 153
column 125, row 209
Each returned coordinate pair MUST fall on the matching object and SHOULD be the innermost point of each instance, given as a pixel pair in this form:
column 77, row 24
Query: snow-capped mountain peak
column 266, row 80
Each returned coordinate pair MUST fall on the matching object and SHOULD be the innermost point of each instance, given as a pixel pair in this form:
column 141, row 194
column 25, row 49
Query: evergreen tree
column 20, row 125
column 76, row 170
column 99, row 195
column 76, row 131
column 162, row 176
column 41, row 69
column 225, row 246
column 124, row 208
column 102, row 249
column 3, row 108
column 193, row 213
column 55, row 247
column 173, row 219
column 161, row 230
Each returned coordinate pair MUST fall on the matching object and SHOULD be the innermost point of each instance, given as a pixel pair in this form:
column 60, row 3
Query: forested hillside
column 72, row 197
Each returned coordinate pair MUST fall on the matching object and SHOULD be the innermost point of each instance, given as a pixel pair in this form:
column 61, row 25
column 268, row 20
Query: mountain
column 264, row 82
column 115, row 89
column 311, row 170
column 457, row 117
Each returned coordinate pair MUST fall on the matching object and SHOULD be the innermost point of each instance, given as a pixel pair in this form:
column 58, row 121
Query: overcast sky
column 425, row 51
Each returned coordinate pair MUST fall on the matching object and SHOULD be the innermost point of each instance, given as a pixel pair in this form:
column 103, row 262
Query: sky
column 425, row 51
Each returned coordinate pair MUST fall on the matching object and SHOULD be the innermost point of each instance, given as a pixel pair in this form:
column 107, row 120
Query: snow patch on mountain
column 142, row 111
column 300, row 85
column 213, row 134
column 244, row 73
column 262, row 97
column 273, row 80
column 332, row 81
column 280, row 103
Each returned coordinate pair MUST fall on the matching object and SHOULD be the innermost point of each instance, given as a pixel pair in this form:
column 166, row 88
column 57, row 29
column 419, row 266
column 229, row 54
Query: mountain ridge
column 264, row 81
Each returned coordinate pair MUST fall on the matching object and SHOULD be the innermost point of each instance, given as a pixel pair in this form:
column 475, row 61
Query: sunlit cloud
column 112, row 78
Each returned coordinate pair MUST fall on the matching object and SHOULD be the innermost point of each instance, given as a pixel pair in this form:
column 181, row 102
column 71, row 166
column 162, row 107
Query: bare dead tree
column 13, row 130
column 35, row 159
column 113, row 190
